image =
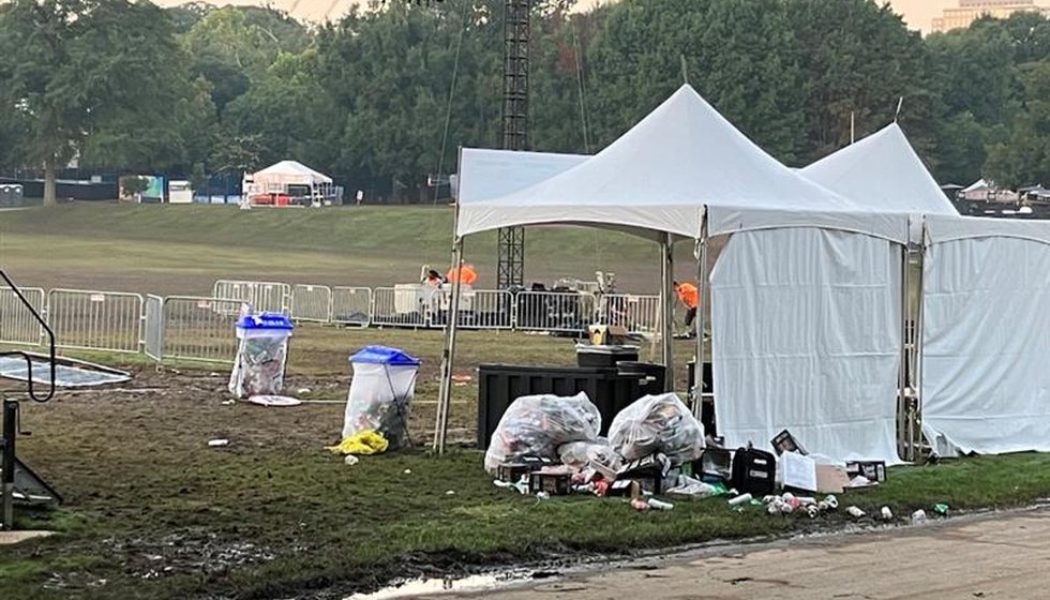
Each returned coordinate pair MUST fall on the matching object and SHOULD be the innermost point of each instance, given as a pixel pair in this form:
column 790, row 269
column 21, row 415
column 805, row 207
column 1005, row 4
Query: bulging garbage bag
column 654, row 424
column 538, row 425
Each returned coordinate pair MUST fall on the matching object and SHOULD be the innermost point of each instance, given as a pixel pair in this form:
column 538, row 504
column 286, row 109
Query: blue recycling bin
column 384, row 381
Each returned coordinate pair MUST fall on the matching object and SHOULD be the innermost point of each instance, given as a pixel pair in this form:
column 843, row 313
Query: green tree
column 92, row 76
column 1023, row 158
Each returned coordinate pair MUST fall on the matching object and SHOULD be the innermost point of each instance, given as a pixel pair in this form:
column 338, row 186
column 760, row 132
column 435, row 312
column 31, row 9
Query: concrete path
column 15, row 537
column 999, row 556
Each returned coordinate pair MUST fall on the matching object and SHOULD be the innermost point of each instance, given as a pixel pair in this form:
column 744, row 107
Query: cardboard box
column 874, row 470
column 831, row 479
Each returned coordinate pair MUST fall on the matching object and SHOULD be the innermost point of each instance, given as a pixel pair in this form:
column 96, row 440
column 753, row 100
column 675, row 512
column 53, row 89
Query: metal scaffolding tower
column 511, row 268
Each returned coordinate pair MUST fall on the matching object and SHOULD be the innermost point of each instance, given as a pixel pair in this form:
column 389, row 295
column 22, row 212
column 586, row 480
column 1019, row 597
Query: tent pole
column 919, row 318
column 701, row 286
column 902, row 401
column 448, row 354
column 667, row 320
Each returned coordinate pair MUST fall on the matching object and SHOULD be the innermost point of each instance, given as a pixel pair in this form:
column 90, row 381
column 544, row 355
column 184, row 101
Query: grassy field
column 183, row 249
column 152, row 512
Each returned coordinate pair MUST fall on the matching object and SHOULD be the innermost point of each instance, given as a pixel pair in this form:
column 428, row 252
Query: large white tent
column 882, row 171
column 686, row 172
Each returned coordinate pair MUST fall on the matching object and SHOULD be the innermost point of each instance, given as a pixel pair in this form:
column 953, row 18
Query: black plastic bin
column 609, row 390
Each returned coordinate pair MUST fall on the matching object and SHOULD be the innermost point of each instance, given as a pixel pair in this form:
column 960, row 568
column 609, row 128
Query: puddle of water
column 419, row 587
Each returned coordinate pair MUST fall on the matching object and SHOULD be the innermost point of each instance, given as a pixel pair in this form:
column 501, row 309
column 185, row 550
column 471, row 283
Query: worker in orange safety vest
column 465, row 275
column 689, row 296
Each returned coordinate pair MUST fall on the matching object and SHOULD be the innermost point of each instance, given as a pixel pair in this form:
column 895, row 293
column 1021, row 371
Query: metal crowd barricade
column 562, row 312
column 635, row 313
column 480, row 309
column 352, row 306
column 200, row 329
column 96, row 320
column 153, row 335
column 404, row 306
column 264, row 296
column 17, row 325
column 311, row 303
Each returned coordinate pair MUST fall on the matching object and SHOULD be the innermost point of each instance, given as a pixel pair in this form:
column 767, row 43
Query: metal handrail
column 24, row 355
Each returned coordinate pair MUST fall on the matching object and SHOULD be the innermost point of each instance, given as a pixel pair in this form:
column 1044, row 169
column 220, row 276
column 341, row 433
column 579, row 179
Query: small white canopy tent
column 686, row 172
column 276, row 178
column 882, row 172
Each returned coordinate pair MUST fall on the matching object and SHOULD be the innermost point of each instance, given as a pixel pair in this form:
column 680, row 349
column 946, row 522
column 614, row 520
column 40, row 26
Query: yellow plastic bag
column 369, row 441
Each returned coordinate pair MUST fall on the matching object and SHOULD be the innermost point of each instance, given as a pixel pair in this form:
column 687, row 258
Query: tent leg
column 667, row 306
column 448, row 354
column 701, row 346
column 903, row 445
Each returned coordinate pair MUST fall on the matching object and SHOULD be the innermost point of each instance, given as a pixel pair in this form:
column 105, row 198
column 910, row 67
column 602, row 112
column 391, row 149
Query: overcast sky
column 918, row 13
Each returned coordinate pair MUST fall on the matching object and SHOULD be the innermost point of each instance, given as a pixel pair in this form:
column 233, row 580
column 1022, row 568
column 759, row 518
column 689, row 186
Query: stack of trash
column 550, row 446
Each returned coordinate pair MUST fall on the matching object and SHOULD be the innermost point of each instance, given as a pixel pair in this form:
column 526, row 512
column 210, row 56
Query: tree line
column 383, row 97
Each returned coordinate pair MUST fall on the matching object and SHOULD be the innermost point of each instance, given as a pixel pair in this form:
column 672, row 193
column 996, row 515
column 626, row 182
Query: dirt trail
column 1002, row 556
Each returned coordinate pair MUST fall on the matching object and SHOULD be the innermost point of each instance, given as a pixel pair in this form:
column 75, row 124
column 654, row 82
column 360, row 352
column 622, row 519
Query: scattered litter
column 542, row 495
column 873, row 470
column 539, row 425
column 555, row 481
column 408, row 471
column 941, row 509
column 521, row 486
column 855, row 512
column 829, row 502
column 302, row 391
column 381, row 394
column 517, row 471
column 918, row 517
column 860, row 482
column 218, row 443
column 365, row 442
column 450, row 493
column 654, row 424
column 274, row 401
column 688, row 486
column 739, row 500
column 785, row 442
column 229, row 402
column 660, row 505
column 639, row 504
column 351, row 460
column 812, row 511
column 887, row 514
column 831, row 479
column 462, row 379
column 598, row 455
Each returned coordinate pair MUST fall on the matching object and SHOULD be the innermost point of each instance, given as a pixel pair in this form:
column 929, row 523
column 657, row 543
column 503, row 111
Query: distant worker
column 689, row 296
column 434, row 279
column 466, row 275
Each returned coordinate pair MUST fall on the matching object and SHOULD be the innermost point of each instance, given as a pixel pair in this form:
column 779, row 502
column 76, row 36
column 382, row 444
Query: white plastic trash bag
column 381, row 394
column 598, row 455
column 262, row 352
column 538, row 425
column 654, row 424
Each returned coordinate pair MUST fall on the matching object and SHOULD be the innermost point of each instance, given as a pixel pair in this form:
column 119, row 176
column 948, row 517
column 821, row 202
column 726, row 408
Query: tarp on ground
column 807, row 337
column 986, row 335
column 882, row 172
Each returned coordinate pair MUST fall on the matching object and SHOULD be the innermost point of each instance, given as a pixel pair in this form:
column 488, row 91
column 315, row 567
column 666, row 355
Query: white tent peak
column 294, row 169
column 658, row 177
column 882, row 172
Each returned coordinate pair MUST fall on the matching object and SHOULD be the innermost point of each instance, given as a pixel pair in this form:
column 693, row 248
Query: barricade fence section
column 200, row 329
column 635, row 313
column 404, row 306
column 564, row 312
column 311, row 303
column 153, row 334
column 96, row 320
column 17, row 325
column 480, row 309
column 352, row 306
column 264, row 296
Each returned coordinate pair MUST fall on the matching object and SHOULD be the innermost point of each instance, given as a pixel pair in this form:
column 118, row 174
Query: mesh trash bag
column 538, row 425
column 381, row 394
column 258, row 369
column 654, row 424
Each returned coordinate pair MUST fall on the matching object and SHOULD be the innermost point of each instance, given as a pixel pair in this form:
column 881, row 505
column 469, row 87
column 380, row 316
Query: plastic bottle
column 660, row 504
column 739, row 500
column 918, row 517
column 855, row 512
column 887, row 514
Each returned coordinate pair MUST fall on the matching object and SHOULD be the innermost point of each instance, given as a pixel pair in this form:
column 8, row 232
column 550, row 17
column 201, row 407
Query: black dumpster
column 609, row 389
